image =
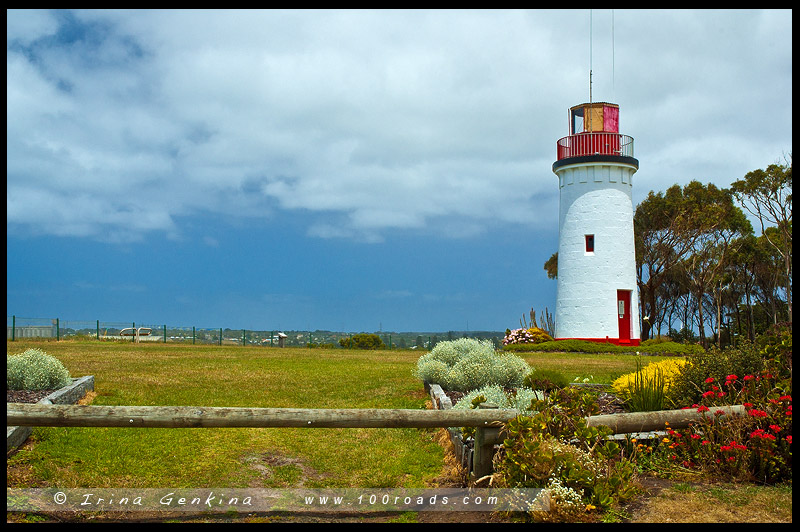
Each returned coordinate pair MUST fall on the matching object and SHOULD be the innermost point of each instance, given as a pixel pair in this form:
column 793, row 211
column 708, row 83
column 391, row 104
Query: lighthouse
column 597, row 292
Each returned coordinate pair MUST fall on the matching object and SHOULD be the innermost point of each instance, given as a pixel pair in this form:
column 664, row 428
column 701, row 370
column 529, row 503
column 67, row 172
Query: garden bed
column 70, row 394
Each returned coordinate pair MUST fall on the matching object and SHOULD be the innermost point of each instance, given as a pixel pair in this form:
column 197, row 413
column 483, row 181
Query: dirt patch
column 277, row 470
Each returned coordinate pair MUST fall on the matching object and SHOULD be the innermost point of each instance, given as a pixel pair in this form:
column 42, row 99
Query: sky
column 356, row 171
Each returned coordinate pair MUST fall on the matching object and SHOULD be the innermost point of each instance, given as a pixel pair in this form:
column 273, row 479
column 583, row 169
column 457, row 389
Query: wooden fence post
column 486, row 437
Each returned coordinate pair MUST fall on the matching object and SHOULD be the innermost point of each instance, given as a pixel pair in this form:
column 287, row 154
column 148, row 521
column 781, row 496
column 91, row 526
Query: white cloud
column 123, row 122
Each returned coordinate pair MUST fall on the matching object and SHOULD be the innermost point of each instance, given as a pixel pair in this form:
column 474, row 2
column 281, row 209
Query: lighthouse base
column 607, row 340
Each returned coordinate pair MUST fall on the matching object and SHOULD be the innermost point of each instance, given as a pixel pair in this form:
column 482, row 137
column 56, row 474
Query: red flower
column 757, row 413
column 789, row 438
column 710, row 379
column 748, row 377
column 774, row 428
column 748, row 405
column 761, row 434
column 702, row 408
column 708, row 393
column 785, row 398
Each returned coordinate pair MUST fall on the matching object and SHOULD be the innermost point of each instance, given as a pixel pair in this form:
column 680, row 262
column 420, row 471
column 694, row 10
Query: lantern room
column 594, row 130
column 594, row 118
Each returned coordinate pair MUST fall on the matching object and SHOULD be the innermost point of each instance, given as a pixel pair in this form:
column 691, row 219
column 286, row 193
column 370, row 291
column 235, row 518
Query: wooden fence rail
column 489, row 421
column 38, row 415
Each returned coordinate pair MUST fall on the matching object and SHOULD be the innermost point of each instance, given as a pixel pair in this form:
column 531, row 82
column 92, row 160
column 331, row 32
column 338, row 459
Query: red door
column 624, row 315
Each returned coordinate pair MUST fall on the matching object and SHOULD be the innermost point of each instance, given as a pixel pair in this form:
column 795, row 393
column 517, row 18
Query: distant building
column 31, row 331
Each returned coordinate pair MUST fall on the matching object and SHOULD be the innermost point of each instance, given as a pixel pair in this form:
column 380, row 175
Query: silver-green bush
column 466, row 364
column 34, row 369
column 521, row 401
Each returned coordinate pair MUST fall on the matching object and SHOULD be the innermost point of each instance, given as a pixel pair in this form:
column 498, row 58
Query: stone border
column 70, row 394
column 463, row 449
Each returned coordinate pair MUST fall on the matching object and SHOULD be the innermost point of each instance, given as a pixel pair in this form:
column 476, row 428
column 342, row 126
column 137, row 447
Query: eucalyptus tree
column 665, row 230
column 767, row 195
column 716, row 231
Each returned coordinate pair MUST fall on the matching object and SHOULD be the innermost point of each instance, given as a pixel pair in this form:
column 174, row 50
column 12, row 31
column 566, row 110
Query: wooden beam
column 652, row 421
column 42, row 415
column 36, row 415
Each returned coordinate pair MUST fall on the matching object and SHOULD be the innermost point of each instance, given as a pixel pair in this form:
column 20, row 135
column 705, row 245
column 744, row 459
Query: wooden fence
column 488, row 421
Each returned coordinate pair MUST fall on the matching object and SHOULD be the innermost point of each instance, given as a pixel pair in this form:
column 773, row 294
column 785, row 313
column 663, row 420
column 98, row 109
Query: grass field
column 153, row 374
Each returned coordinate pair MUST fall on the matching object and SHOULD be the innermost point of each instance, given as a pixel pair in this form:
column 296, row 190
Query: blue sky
column 348, row 170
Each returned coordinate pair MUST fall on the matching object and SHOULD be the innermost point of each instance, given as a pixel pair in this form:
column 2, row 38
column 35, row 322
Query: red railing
column 595, row 144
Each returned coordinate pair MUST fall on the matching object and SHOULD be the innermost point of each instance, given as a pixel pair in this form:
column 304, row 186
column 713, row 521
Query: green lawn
column 168, row 374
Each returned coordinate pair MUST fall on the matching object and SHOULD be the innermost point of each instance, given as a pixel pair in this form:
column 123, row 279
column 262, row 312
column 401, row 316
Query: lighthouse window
column 589, row 243
column 577, row 121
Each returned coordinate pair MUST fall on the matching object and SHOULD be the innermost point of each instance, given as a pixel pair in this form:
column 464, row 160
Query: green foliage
column 648, row 391
column 656, row 341
column 34, row 369
column 556, row 449
column 646, row 388
column 363, row 341
column 545, row 380
column 584, row 346
column 756, row 446
column 466, row 364
column 688, row 386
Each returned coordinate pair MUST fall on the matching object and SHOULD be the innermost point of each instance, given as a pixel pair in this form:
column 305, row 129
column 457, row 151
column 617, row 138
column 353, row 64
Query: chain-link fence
column 60, row 329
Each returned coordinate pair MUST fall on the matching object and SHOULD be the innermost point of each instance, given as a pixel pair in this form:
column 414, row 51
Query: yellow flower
column 590, row 507
column 665, row 440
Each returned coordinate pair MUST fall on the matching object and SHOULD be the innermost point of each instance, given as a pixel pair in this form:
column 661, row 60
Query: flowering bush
column 556, row 449
column 647, row 387
column 756, row 446
column 533, row 335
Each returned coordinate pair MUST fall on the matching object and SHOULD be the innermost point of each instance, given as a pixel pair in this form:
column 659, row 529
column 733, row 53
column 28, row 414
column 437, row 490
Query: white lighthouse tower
column 597, row 293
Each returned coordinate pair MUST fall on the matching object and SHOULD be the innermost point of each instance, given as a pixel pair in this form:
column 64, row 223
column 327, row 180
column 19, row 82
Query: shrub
column 647, row 388
column 556, row 449
column 655, row 341
column 576, row 346
column 756, row 446
column 363, row 341
column 689, row 385
column 35, row 370
column 520, row 399
column 466, row 364
column 545, row 380
column 532, row 335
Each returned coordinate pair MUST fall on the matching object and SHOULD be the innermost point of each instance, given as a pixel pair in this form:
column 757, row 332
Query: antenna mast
column 613, row 95
column 590, row 70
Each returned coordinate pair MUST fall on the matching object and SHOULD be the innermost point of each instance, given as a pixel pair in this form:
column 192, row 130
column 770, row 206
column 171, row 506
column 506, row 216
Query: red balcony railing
column 595, row 144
